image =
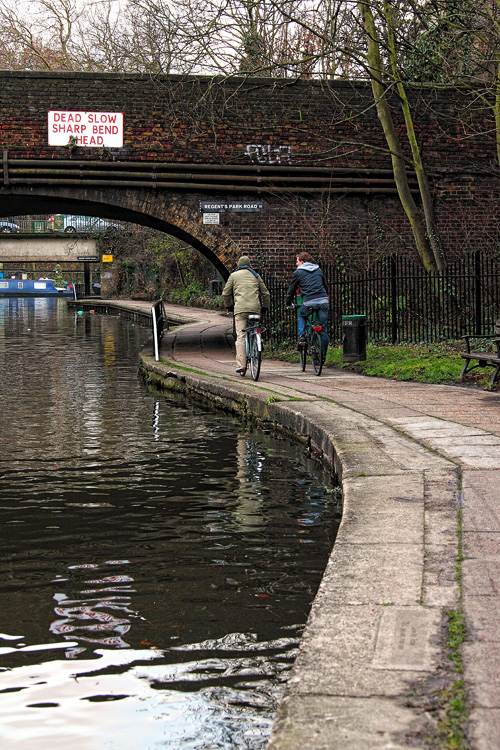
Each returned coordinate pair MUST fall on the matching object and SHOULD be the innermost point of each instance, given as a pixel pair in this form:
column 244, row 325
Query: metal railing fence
column 403, row 302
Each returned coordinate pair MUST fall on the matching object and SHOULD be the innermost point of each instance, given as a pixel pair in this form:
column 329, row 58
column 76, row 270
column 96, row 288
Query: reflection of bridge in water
column 101, row 616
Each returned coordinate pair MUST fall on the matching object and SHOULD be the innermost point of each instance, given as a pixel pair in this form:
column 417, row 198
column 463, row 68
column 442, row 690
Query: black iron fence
column 402, row 301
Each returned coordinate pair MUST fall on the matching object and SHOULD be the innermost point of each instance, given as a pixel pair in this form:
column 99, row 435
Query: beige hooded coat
column 245, row 291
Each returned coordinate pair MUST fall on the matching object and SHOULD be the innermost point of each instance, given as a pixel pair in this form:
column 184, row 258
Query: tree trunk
column 425, row 193
column 497, row 111
column 415, row 217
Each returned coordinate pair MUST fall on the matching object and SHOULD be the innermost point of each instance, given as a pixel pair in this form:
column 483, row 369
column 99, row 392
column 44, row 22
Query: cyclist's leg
column 304, row 313
column 240, row 322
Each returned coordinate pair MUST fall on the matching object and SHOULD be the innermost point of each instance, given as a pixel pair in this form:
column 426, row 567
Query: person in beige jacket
column 245, row 293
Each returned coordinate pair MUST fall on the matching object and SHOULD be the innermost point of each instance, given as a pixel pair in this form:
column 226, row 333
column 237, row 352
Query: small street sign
column 221, row 207
column 211, row 218
column 90, row 258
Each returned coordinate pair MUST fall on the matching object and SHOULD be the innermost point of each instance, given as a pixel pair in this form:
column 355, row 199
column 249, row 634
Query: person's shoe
column 301, row 343
column 240, row 370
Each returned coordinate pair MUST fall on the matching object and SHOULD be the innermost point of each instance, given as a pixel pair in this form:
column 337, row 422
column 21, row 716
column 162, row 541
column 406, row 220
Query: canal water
column 157, row 561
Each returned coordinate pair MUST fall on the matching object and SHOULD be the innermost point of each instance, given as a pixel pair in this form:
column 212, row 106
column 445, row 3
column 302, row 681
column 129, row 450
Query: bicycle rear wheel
column 255, row 357
column 316, row 353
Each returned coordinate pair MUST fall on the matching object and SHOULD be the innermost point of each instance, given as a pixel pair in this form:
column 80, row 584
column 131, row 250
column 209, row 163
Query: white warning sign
column 94, row 129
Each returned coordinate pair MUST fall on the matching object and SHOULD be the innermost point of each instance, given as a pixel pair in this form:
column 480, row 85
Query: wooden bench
column 482, row 359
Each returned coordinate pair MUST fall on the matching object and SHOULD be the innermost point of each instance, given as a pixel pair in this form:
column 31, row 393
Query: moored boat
column 34, row 288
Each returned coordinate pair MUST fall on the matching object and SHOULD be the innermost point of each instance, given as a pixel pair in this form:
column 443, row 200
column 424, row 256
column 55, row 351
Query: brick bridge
column 310, row 153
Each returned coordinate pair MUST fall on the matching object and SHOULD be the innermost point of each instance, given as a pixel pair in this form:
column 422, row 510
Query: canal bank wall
column 386, row 660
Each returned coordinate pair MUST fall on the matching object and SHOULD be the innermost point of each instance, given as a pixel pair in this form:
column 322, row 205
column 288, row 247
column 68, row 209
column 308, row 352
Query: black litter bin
column 353, row 338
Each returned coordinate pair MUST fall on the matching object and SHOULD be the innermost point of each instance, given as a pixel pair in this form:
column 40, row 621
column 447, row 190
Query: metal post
column 155, row 334
column 86, row 278
column 477, row 292
column 6, row 167
column 394, row 307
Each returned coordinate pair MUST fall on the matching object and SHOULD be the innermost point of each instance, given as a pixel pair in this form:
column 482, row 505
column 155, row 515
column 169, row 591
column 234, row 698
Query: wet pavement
column 420, row 468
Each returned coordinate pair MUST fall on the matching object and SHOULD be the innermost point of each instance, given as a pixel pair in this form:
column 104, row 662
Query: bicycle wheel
column 316, row 355
column 255, row 357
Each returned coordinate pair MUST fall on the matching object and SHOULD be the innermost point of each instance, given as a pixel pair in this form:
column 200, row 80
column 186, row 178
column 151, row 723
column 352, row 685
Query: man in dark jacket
column 309, row 281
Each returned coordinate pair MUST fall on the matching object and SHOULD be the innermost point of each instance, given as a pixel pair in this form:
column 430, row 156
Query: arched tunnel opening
column 150, row 255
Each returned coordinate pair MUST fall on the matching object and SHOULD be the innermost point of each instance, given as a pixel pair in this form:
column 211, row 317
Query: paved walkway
column 373, row 669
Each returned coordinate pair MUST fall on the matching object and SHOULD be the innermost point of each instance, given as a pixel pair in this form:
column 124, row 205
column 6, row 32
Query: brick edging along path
column 415, row 461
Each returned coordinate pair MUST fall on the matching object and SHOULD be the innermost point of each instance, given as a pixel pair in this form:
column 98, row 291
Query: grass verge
column 452, row 726
column 424, row 363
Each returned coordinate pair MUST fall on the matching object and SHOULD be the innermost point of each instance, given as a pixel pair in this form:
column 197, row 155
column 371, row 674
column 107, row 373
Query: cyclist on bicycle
column 308, row 277
column 246, row 294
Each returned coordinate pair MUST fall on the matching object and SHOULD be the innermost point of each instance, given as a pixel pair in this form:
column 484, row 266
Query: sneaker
column 240, row 370
column 302, row 343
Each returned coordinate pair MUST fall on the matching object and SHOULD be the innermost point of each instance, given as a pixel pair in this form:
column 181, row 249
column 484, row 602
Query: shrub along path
column 402, row 647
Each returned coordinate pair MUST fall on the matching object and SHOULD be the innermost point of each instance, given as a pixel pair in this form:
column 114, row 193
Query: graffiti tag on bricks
column 266, row 154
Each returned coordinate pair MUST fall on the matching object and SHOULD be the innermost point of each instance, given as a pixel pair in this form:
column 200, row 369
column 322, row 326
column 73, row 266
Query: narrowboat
column 34, row 288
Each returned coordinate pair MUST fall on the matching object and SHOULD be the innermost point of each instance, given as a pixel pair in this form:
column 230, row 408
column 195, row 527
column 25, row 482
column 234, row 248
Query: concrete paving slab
column 481, row 614
column 483, row 546
column 408, row 639
column 481, row 505
column 375, row 573
column 481, row 579
column 467, row 452
column 364, row 447
column 380, row 504
column 439, row 428
column 409, row 456
column 335, row 723
column 477, row 438
column 372, row 650
column 478, row 462
column 482, row 664
column 484, row 730
column 440, row 586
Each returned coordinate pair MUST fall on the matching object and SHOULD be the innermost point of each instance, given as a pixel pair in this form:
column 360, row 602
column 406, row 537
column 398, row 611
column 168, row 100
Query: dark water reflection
column 157, row 561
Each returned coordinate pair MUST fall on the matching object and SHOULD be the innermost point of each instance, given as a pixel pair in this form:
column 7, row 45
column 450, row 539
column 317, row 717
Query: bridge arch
column 175, row 215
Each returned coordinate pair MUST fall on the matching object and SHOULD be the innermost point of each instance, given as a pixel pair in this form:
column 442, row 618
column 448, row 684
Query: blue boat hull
column 33, row 288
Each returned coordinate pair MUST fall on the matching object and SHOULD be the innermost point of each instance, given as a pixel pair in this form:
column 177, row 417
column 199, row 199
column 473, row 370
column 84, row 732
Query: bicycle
column 313, row 345
column 253, row 343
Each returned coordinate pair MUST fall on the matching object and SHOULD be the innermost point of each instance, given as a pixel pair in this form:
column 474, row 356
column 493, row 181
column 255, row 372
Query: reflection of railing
column 159, row 321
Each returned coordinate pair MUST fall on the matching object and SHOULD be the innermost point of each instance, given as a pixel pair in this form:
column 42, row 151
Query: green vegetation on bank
column 424, row 363
column 150, row 265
